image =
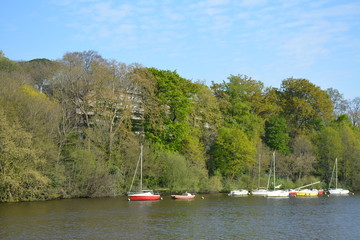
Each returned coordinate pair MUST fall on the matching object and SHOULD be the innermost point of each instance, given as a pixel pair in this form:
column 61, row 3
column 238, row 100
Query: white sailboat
column 261, row 191
column 141, row 195
column 336, row 190
column 239, row 193
column 276, row 192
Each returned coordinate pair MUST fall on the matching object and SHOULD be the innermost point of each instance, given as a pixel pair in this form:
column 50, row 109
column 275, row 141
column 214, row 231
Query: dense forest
column 73, row 128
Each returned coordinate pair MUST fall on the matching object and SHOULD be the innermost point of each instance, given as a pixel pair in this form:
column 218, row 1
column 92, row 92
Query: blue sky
column 202, row 40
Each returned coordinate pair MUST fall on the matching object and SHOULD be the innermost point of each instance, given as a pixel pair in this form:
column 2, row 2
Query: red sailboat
column 141, row 195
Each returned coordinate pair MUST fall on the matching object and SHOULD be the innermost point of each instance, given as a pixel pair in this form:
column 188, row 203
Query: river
column 217, row 216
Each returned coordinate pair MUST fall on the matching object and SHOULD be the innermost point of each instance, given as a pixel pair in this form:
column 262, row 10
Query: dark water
column 218, row 216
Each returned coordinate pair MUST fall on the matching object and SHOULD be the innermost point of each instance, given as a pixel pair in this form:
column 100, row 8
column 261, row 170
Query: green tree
column 233, row 153
column 41, row 71
column 206, row 115
column 6, row 65
column 244, row 103
column 329, row 146
column 177, row 174
column 20, row 164
column 349, row 164
column 174, row 94
column 306, row 107
column 277, row 134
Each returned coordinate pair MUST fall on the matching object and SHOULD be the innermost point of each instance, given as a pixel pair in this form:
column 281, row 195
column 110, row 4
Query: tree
column 277, row 134
column 349, row 163
column 240, row 100
column 41, row 71
column 174, row 94
column 233, row 153
column 20, row 179
column 6, row 65
column 338, row 101
column 354, row 111
column 305, row 106
column 328, row 145
column 206, row 115
column 303, row 157
column 77, row 84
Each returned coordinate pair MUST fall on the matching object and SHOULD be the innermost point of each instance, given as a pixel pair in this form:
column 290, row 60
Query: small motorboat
column 185, row 195
column 240, row 192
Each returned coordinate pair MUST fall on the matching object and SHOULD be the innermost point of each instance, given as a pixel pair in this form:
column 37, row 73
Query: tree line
column 73, row 128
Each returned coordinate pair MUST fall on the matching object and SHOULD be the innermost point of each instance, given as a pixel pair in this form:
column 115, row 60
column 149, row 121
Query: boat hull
column 307, row 193
column 339, row 191
column 145, row 195
column 182, row 197
column 321, row 192
column 278, row 193
column 239, row 193
column 261, row 192
column 144, row 198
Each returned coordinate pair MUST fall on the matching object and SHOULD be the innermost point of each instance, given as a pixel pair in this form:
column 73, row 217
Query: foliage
column 73, row 128
column 20, row 164
column 6, row 65
column 276, row 134
column 305, row 105
column 233, row 153
column 241, row 101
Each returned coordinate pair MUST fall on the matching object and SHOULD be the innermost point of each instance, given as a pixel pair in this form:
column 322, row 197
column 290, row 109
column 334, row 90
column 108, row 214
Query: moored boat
column 185, row 195
column 238, row 193
column 276, row 192
column 336, row 190
column 307, row 193
column 141, row 195
column 144, row 195
column 259, row 192
column 292, row 192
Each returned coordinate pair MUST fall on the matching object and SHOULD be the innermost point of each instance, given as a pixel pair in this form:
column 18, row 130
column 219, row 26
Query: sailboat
column 336, row 190
column 261, row 191
column 276, row 192
column 141, row 195
column 304, row 192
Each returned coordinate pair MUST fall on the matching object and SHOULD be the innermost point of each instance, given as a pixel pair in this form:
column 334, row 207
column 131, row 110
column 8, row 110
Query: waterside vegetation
column 73, row 127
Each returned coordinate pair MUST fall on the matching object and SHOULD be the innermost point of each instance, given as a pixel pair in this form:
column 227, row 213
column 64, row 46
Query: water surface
column 218, row 216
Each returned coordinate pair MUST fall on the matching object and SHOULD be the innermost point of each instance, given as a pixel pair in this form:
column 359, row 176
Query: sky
column 206, row 40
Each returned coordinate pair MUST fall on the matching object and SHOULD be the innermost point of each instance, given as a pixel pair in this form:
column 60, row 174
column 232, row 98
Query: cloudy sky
column 209, row 40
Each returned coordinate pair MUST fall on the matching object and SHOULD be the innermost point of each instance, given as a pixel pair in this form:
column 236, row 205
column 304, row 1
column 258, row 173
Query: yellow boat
column 307, row 193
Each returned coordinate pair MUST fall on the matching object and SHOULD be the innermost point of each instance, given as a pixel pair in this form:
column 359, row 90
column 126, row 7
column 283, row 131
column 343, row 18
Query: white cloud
column 105, row 12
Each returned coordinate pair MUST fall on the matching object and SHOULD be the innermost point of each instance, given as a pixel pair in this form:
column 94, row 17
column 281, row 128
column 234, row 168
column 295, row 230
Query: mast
column 259, row 171
column 137, row 166
column 336, row 173
column 270, row 174
column 274, row 168
column 141, row 161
